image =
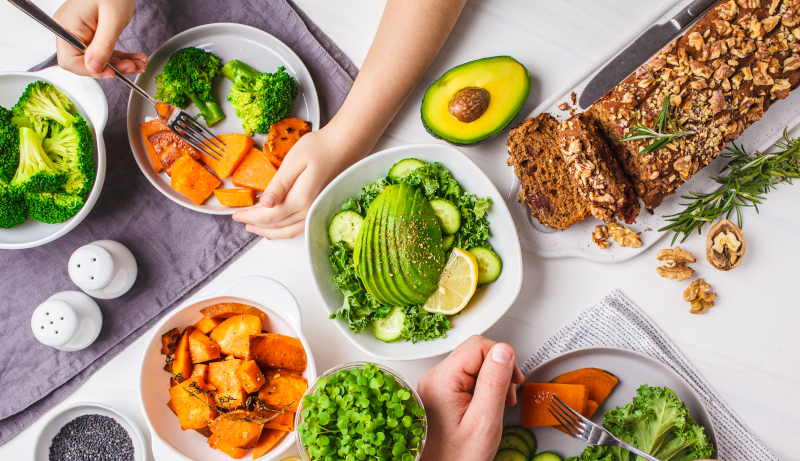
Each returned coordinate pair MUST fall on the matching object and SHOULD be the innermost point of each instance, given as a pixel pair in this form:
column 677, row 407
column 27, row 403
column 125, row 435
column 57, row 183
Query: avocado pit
column 469, row 104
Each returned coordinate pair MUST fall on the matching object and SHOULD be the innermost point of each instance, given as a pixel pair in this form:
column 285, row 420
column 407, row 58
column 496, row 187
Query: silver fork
column 178, row 121
column 583, row 429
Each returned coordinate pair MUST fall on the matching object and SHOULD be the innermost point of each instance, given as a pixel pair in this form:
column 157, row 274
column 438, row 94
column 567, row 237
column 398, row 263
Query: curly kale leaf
column 423, row 326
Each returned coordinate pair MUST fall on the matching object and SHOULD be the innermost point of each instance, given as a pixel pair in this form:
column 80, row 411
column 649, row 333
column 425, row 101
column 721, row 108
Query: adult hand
column 464, row 423
column 313, row 162
column 98, row 23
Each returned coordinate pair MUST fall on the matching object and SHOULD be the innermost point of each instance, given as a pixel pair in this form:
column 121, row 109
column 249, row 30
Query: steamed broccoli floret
column 36, row 172
column 53, row 207
column 658, row 423
column 9, row 146
column 259, row 99
column 40, row 105
column 71, row 150
column 187, row 76
column 12, row 206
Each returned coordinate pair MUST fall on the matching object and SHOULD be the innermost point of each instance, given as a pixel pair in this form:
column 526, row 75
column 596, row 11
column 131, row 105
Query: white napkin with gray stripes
column 615, row 321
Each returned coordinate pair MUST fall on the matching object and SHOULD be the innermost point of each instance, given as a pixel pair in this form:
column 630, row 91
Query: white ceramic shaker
column 104, row 269
column 68, row 321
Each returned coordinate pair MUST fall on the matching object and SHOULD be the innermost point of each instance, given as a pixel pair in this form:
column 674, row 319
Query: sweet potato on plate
column 588, row 412
column 250, row 376
column 204, row 431
column 206, row 325
column 228, row 310
column 599, row 382
column 200, row 369
column 236, row 197
column 240, row 428
column 169, row 341
column 268, row 439
column 218, row 443
column 170, row 148
column 536, row 399
column 236, row 147
column 222, row 375
column 182, row 362
column 191, row 404
column 149, row 128
column 202, row 348
column 233, row 334
column 283, row 388
column 278, row 421
column 192, row 180
column 274, row 351
column 255, row 171
column 283, row 135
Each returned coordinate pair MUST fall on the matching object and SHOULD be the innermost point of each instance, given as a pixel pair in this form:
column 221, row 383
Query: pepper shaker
column 68, row 321
column 104, row 269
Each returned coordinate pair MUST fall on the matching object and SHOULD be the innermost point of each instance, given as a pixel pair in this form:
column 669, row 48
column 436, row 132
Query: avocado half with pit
column 472, row 102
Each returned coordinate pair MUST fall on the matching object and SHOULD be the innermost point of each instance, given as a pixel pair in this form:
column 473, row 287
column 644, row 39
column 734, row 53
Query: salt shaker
column 68, row 321
column 104, row 269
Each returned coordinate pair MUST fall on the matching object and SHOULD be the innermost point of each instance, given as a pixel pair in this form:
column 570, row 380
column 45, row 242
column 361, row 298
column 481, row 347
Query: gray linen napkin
column 178, row 250
column 615, row 321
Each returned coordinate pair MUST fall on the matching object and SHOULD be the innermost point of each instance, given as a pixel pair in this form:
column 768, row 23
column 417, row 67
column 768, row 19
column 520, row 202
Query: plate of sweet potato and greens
column 637, row 398
column 248, row 88
column 678, row 144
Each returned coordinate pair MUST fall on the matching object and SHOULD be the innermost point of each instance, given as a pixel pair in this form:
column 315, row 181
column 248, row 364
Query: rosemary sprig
column 252, row 406
column 749, row 178
column 664, row 131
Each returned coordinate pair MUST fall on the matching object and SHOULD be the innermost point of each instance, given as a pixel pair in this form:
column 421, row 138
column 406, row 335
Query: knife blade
column 639, row 51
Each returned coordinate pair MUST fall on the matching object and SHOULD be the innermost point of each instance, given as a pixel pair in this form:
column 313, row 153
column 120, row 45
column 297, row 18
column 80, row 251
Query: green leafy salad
column 390, row 246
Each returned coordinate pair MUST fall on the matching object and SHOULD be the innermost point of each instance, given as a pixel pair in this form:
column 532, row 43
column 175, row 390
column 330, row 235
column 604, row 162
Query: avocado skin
column 465, row 67
column 399, row 255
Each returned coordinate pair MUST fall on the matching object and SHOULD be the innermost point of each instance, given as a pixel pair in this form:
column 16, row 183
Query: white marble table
column 747, row 347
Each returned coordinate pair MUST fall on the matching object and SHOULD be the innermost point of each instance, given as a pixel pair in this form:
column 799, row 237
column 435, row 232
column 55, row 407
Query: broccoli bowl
column 59, row 170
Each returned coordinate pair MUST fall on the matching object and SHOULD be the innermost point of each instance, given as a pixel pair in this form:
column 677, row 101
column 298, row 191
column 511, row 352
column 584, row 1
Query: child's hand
column 464, row 423
column 313, row 162
column 98, row 23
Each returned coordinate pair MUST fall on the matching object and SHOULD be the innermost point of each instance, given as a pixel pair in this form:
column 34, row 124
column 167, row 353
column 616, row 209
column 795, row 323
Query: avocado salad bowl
column 413, row 251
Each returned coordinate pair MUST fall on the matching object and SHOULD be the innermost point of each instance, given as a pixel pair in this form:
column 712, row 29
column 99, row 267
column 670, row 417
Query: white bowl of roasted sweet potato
column 221, row 377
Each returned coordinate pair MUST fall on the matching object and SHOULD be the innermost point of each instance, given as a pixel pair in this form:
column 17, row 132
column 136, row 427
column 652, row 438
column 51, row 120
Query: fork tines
column 572, row 421
column 199, row 137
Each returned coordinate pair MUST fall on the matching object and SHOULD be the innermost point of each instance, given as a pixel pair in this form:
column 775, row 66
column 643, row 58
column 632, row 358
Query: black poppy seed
column 92, row 438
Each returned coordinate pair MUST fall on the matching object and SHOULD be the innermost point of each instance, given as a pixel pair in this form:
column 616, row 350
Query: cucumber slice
column 390, row 327
column 447, row 214
column 448, row 241
column 515, row 442
column 402, row 168
column 530, row 439
column 546, row 456
column 489, row 264
column 509, row 454
column 344, row 227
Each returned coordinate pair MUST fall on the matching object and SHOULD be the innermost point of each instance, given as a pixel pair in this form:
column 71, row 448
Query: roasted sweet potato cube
column 204, row 431
column 250, row 376
column 207, row 325
column 274, row 351
column 282, row 388
column 191, row 404
column 202, row 348
column 169, row 341
column 222, row 445
column 236, row 197
column 192, row 180
column 228, row 310
column 201, row 369
column 268, row 439
column 278, row 421
column 255, row 171
column 284, row 134
column 182, row 362
column 599, row 382
column 149, row 128
column 236, row 147
column 233, row 334
column 222, row 375
column 170, row 148
column 240, row 428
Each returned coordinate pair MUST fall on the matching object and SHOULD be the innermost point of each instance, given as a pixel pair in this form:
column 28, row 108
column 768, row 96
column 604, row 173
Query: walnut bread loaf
column 546, row 184
column 595, row 171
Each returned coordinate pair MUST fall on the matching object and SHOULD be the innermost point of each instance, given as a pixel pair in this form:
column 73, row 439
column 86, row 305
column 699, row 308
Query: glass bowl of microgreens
column 361, row 411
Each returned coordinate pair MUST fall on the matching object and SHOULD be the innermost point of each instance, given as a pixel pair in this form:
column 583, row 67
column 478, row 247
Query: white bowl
column 90, row 101
column 490, row 301
column 41, row 448
column 169, row 441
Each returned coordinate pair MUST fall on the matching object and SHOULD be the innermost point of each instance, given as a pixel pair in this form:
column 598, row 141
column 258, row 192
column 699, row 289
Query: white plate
column 41, row 449
column 632, row 368
column 169, row 441
column 252, row 46
column 577, row 241
column 490, row 301
column 90, row 102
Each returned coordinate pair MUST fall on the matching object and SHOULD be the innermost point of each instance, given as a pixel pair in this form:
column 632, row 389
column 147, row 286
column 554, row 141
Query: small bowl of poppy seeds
column 89, row 432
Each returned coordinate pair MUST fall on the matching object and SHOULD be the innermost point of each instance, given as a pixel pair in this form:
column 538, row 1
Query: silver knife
column 638, row 52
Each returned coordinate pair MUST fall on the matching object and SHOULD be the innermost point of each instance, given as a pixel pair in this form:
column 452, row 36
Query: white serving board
column 576, row 241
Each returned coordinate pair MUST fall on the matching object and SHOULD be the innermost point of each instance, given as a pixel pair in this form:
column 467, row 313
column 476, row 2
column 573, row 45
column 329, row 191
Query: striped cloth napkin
column 615, row 321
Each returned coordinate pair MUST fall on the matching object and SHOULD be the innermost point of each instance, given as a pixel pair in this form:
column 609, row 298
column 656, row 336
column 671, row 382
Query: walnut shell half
column 729, row 258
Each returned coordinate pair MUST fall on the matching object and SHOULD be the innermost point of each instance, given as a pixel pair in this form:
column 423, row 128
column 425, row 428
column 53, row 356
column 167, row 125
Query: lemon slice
column 456, row 285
